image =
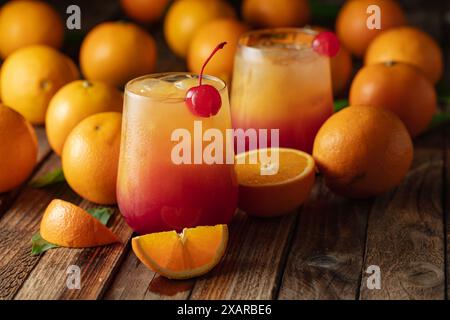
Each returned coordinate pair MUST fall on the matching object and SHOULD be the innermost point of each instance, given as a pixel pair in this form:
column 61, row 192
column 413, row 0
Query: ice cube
column 188, row 83
column 155, row 88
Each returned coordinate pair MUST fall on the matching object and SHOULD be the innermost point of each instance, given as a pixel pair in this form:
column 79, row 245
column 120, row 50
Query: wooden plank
column 446, row 203
column 44, row 147
column 327, row 252
column 18, row 225
column 251, row 270
column 97, row 266
column 446, row 194
column 134, row 281
column 44, row 277
column 6, row 199
column 405, row 235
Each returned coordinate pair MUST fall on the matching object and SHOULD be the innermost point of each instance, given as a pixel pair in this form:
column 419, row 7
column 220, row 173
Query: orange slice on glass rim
column 286, row 183
column 190, row 254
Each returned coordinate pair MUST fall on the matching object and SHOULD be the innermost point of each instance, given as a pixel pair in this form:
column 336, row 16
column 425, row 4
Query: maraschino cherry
column 327, row 44
column 204, row 100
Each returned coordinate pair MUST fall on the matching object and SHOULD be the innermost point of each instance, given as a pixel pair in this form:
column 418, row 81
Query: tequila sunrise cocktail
column 280, row 82
column 155, row 193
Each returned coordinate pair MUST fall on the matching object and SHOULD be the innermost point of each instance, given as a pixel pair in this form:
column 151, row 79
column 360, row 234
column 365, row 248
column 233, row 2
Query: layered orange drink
column 281, row 82
column 164, row 182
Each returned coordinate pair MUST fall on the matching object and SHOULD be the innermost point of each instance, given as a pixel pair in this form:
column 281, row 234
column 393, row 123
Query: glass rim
column 160, row 75
column 271, row 31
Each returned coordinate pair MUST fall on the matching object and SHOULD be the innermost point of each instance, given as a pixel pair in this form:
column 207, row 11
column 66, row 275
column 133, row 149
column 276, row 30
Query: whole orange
column 0, row 83
column 399, row 87
column 31, row 76
column 363, row 151
column 24, row 23
column 410, row 45
column 341, row 70
column 75, row 102
column 185, row 17
column 18, row 149
column 116, row 52
column 144, row 11
column 351, row 23
column 73, row 68
column 276, row 13
column 91, row 155
column 207, row 38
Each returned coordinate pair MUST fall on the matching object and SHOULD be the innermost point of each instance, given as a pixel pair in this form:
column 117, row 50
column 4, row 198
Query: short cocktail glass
column 154, row 192
column 280, row 82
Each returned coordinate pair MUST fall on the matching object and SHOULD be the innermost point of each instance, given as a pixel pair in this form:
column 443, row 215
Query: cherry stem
column 219, row 47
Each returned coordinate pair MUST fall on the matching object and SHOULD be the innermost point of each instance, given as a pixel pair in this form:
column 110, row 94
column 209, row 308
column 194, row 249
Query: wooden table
column 322, row 251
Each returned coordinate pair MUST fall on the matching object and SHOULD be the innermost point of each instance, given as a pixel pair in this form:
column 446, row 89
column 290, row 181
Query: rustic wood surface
column 446, row 156
column 446, row 173
column 405, row 234
column 326, row 257
column 322, row 251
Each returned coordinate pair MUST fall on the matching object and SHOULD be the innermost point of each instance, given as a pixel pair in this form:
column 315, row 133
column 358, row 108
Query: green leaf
column 50, row 178
column 443, row 88
column 102, row 214
column 444, row 100
column 39, row 245
column 443, row 91
column 439, row 119
column 323, row 11
column 340, row 104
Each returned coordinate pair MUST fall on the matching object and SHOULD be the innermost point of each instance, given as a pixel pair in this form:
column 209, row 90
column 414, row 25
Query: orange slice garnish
column 67, row 225
column 268, row 189
column 190, row 254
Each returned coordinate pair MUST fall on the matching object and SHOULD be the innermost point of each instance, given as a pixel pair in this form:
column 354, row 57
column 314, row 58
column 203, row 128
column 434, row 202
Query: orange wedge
column 190, row 254
column 269, row 187
column 67, row 225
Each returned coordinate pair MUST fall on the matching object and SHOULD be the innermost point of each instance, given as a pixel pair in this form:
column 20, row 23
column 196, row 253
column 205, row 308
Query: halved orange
column 190, row 254
column 280, row 191
column 67, row 225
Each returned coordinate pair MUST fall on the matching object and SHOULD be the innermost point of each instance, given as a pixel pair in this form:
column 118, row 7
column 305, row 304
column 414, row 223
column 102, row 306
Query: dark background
column 433, row 16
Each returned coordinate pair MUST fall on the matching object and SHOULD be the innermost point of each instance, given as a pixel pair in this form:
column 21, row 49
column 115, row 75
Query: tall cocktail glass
column 280, row 82
column 154, row 192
